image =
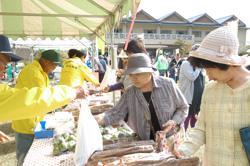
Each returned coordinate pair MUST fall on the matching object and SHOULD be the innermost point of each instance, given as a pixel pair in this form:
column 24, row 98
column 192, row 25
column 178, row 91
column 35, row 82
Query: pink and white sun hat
column 221, row 46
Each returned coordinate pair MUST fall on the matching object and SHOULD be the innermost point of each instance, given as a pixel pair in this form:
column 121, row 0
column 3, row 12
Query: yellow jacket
column 31, row 76
column 75, row 72
column 24, row 103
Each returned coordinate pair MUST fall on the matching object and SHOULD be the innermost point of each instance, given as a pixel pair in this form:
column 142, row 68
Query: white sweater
column 186, row 80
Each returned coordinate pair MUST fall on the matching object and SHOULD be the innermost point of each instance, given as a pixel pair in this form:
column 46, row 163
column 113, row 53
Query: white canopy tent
column 72, row 19
column 62, row 44
column 61, row 18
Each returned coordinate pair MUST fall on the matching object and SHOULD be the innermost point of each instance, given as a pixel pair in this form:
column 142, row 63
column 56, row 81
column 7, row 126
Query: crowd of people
column 156, row 97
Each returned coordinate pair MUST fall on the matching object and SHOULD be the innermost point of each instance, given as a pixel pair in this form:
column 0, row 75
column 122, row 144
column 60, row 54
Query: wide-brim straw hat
column 221, row 46
column 139, row 63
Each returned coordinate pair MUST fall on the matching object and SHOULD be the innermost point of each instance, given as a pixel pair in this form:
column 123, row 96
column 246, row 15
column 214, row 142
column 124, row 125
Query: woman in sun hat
column 153, row 103
column 225, row 101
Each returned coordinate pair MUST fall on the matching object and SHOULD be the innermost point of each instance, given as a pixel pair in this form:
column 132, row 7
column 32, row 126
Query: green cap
column 53, row 56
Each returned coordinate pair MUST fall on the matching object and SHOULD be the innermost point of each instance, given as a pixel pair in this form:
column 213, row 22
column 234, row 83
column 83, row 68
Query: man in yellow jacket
column 18, row 104
column 75, row 72
column 34, row 74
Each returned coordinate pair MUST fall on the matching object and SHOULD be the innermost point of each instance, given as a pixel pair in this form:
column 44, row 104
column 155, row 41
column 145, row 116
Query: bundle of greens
column 110, row 133
column 63, row 143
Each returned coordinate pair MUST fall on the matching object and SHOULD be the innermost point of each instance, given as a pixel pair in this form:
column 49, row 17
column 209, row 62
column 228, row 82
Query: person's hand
column 97, row 85
column 3, row 137
column 99, row 118
column 120, row 72
column 177, row 153
column 105, row 90
column 81, row 93
column 169, row 125
column 196, row 116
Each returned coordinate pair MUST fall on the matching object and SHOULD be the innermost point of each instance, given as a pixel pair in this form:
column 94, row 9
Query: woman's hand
column 120, row 72
column 3, row 137
column 81, row 93
column 169, row 125
column 177, row 153
column 100, row 119
column 105, row 90
column 196, row 116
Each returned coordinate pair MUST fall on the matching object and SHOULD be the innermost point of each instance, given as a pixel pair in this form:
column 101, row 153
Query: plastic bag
column 109, row 78
column 62, row 122
column 89, row 138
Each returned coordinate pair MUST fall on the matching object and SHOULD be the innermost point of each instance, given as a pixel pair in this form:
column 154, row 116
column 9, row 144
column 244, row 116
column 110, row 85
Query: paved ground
column 7, row 150
column 8, row 159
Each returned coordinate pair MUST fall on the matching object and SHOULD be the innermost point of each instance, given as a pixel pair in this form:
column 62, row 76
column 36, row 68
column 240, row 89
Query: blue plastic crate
column 44, row 134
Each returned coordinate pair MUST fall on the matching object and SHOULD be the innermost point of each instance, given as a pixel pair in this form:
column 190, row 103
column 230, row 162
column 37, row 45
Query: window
column 149, row 31
column 181, row 32
column 118, row 30
column 197, row 33
column 166, row 31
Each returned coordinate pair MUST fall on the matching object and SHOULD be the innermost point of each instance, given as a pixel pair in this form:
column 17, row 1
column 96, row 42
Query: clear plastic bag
column 89, row 138
column 109, row 78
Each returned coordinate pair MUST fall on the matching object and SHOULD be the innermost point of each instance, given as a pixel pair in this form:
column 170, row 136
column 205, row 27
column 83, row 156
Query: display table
column 128, row 152
column 41, row 154
column 41, row 151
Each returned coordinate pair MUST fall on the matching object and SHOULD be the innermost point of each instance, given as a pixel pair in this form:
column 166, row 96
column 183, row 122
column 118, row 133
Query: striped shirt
column 223, row 112
column 168, row 101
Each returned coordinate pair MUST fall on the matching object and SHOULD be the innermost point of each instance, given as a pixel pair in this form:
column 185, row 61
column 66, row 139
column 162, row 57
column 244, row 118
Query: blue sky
column 189, row 8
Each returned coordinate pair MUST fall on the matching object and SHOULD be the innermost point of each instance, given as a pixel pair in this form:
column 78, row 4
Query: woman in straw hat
column 225, row 102
column 153, row 103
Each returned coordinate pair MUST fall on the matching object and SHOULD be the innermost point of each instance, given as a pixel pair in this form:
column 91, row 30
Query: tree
column 245, row 51
column 183, row 46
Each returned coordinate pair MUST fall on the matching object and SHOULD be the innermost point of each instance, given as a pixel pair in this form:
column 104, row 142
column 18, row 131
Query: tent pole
column 113, row 59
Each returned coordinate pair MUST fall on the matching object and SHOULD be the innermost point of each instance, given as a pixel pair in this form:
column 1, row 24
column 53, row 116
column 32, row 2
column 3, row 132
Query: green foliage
column 183, row 47
column 245, row 51
column 110, row 133
column 63, row 143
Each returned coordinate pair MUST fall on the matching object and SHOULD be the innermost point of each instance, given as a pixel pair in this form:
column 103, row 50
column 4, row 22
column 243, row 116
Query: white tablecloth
column 41, row 151
column 41, row 154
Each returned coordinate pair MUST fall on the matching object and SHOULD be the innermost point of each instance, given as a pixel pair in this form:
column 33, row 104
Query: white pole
column 113, row 58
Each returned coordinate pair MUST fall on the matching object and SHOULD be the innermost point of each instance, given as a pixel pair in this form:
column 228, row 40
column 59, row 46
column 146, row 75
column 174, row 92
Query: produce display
column 111, row 133
column 112, row 153
column 122, row 151
column 128, row 144
column 63, row 143
column 121, row 145
column 100, row 108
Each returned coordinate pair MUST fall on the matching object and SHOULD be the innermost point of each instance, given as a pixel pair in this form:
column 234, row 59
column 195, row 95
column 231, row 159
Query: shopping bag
column 89, row 138
column 245, row 139
column 109, row 78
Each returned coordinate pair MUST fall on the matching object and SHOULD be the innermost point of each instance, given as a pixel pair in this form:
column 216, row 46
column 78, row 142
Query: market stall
column 131, row 154
column 41, row 153
column 58, row 148
column 114, row 145
column 119, row 144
